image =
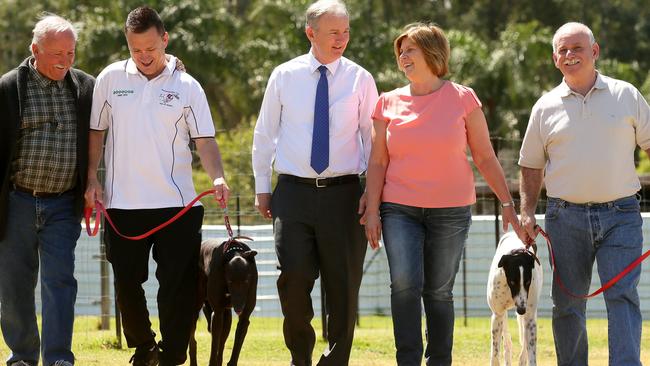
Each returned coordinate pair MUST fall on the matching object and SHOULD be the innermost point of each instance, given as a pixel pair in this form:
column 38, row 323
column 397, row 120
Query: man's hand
column 94, row 192
column 221, row 190
column 263, row 204
column 530, row 185
column 180, row 66
column 362, row 205
column 529, row 228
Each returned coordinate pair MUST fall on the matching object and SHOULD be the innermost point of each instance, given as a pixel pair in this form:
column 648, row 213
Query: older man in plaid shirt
column 44, row 113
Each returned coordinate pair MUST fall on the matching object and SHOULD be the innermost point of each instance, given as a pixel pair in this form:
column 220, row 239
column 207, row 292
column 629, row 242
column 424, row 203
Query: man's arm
column 208, row 151
column 265, row 136
column 94, row 190
column 367, row 106
column 530, row 185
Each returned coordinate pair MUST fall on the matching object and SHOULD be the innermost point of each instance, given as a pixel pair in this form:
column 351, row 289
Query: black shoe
column 145, row 356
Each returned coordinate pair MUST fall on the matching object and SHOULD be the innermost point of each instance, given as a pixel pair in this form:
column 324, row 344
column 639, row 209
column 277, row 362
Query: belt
column 320, row 182
column 608, row 204
column 37, row 194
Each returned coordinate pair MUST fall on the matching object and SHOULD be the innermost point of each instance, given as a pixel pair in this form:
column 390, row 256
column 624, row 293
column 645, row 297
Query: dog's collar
column 232, row 246
column 526, row 251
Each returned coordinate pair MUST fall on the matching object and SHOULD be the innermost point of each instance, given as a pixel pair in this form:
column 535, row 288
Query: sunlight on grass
column 373, row 344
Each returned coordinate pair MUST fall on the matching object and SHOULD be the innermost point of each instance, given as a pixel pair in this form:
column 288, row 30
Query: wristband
column 507, row 204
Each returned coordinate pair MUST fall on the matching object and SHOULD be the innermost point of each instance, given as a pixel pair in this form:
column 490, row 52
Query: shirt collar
column 41, row 80
column 314, row 64
column 565, row 90
column 132, row 68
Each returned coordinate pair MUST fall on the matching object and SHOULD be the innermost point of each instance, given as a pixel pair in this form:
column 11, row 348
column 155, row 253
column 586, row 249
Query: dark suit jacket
column 12, row 98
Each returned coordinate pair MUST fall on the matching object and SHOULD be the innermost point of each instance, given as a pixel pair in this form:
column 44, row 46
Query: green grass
column 373, row 344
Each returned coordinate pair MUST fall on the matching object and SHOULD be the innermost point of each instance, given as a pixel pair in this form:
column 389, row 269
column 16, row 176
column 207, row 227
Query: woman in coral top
column 420, row 188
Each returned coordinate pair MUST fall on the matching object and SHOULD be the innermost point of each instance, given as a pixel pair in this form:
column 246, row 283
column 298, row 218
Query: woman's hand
column 372, row 223
column 509, row 217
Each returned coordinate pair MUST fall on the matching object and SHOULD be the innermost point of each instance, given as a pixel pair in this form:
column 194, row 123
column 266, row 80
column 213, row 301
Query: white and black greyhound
column 515, row 281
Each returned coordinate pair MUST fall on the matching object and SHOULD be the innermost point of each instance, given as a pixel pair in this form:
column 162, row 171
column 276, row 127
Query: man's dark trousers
column 176, row 252
column 316, row 230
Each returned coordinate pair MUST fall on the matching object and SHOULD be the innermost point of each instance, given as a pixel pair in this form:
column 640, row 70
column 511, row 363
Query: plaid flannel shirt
column 46, row 157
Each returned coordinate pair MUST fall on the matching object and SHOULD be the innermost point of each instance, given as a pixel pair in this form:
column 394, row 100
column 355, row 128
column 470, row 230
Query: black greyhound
column 227, row 280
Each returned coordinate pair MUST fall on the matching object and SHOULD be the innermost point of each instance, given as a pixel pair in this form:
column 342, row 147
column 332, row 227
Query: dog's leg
column 523, row 338
column 507, row 341
column 225, row 331
column 496, row 325
column 216, row 356
column 531, row 337
column 207, row 311
column 240, row 334
column 193, row 346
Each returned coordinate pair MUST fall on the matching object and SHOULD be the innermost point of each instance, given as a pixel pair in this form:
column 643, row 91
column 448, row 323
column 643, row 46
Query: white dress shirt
column 283, row 132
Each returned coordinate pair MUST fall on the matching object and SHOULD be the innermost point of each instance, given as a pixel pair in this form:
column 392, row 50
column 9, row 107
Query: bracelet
column 507, row 204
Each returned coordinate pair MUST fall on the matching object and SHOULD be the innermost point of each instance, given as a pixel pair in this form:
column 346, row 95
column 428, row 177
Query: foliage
column 500, row 48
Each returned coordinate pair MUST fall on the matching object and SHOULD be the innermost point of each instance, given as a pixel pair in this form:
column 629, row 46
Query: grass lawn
column 373, row 343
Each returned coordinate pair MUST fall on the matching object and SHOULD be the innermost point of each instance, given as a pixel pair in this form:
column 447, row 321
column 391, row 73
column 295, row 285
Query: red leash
column 609, row 283
column 99, row 209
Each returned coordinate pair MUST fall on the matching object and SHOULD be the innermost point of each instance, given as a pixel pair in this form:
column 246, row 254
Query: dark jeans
column 176, row 252
column 609, row 233
column 317, row 230
column 41, row 232
column 424, row 247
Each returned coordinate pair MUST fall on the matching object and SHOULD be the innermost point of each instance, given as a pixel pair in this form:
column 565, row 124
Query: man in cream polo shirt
column 152, row 112
column 580, row 141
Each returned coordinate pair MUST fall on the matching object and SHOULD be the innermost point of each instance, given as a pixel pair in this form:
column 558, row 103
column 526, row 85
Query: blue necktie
column 320, row 143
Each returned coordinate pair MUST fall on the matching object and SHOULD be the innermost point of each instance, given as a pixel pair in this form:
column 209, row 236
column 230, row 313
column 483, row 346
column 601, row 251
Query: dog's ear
column 249, row 254
column 503, row 260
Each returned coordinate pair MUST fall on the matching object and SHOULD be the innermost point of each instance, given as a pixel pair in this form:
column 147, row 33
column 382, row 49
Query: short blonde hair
column 433, row 43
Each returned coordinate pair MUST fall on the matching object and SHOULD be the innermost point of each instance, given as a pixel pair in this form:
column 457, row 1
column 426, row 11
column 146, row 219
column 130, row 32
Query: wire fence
column 96, row 295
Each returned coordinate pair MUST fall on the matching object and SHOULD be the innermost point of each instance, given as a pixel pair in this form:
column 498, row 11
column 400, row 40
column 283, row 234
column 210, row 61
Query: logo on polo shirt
column 122, row 92
column 167, row 97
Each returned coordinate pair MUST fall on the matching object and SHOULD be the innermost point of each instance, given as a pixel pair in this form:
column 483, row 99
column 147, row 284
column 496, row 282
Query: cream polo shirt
column 283, row 132
column 586, row 144
column 150, row 124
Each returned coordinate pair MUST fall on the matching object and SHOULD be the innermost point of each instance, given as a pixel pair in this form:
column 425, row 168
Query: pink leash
column 100, row 209
column 609, row 283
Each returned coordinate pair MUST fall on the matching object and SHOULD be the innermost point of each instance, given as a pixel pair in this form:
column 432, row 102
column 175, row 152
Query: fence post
column 323, row 307
column 118, row 325
column 238, row 215
column 105, row 284
column 497, row 205
column 465, row 285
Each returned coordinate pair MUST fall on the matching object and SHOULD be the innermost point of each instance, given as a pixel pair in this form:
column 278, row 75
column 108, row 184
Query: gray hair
column 51, row 23
column 322, row 7
column 573, row 26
